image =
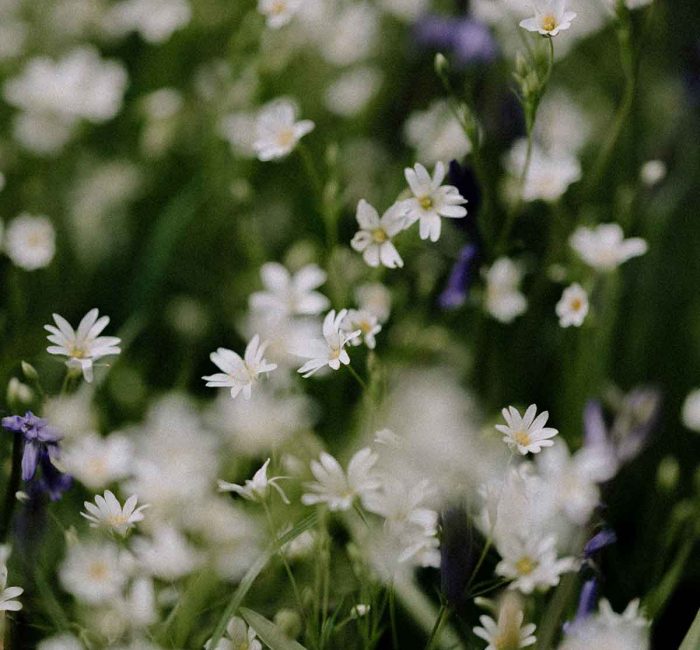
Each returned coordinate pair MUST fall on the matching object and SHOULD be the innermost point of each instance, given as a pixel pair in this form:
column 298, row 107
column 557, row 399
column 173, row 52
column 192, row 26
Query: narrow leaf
column 692, row 639
column 269, row 633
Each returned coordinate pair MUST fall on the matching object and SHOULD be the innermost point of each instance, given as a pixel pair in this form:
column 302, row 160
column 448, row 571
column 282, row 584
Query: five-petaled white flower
column 290, row 294
column 108, row 513
column 84, row 345
column 551, row 17
column 336, row 488
column 8, row 594
column 373, row 239
column 366, row 322
column 604, row 247
column 257, row 488
column 526, row 433
column 431, row 200
column 509, row 632
column 238, row 637
column 572, row 308
column 330, row 352
column 278, row 12
column 240, row 374
column 277, row 131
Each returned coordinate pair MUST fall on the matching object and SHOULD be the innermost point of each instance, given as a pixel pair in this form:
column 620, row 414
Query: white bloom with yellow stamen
column 257, row 488
column 374, row 239
column 604, row 247
column 551, row 17
column 108, row 513
column 240, row 374
column 290, row 294
column 431, row 200
column 94, row 573
column 366, row 322
column 331, row 351
column 526, row 433
column 83, row 346
column 30, row 241
column 277, row 130
column 278, row 13
column 572, row 308
column 506, row 633
column 96, row 461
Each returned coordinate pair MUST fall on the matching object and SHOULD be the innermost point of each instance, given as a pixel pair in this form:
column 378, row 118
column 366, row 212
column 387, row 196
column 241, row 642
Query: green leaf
column 268, row 632
column 252, row 573
column 692, row 639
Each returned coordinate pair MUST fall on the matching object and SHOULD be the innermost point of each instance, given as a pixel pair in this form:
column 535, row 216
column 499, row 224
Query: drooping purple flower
column 469, row 40
column 455, row 293
column 586, row 604
column 599, row 541
column 39, row 438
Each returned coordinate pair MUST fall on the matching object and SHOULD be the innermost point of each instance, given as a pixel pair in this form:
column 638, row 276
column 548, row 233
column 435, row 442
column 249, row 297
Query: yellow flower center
column 77, row 352
column 285, row 138
column 98, row 571
column 425, row 202
column 508, row 640
column 117, row 520
column 576, row 304
column 549, row 23
column 522, row 438
column 525, row 565
column 379, row 235
column 276, row 9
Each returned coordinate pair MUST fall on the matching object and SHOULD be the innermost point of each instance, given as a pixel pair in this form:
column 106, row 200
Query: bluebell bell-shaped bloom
column 52, row 482
column 599, row 541
column 586, row 603
column 39, row 438
column 455, row 293
column 469, row 40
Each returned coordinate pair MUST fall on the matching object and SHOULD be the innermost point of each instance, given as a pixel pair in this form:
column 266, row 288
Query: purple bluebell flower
column 469, row 40
column 599, row 541
column 39, row 438
column 455, row 293
column 586, row 604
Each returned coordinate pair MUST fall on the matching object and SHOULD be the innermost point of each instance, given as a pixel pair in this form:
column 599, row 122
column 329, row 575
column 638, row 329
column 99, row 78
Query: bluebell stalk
column 39, row 439
column 455, row 293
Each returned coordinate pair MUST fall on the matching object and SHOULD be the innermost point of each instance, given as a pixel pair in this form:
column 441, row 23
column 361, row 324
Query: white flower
column 550, row 18
column 167, row 555
column 238, row 637
column 604, row 247
column 240, row 374
column 93, row 573
column 359, row 610
column 293, row 295
column 256, row 489
column 431, row 200
column 366, row 322
column 30, row 241
column 61, row 642
column 652, row 172
column 373, row 239
column 350, row 94
column 509, row 632
column 108, row 513
column 96, row 461
column 436, row 134
column 84, row 345
column 572, row 308
column 278, row 12
column 504, row 301
column 691, row 410
column 375, row 298
column 338, row 489
column 532, row 564
column 526, row 433
column 277, row 131
column 631, row 616
column 154, row 20
column 8, row 594
column 330, row 352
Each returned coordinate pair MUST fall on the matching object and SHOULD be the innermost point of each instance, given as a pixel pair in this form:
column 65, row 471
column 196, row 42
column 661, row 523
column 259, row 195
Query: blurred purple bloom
column 586, row 604
column 470, row 41
column 455, row 293
column 599, row 541
column 38, row 438
column 457, row 554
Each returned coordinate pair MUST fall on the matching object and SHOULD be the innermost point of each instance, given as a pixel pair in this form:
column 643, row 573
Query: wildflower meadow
column 349, row 324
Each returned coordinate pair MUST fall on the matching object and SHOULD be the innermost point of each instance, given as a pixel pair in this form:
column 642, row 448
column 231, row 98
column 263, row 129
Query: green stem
column 12, row 487
column 359, row 379
column 392, row 619
column 440, row 622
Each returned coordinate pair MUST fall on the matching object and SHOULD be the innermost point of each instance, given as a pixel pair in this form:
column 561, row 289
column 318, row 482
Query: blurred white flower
column 108, row 513
column 240, row 374
column 604, row 247
column 652, row 172
column 431, row 200
column 527, row 432
column 290, row 294
column 572, row 308
column 504, row 301
column 690, row 413
column 96, row 461
column 330, row 352
column 532, row 563
column 83, row 346
column 359, row 610
column 61, row 642
column 374, row 239
column 94, row 573
column 508, row 632
column 166, row 554
column 374, row 298
column 257, row 488
column 339, row 489
column 30, row 241
column 407, row 10
column 238, row 637
column 8, row 594
column 238, row 129
column 436, row 135
column 154, row 20
column 350, row 93
column 355, row 27
column 278, row 12
column 277, row 130
column 366, row 322
column 550, row 18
